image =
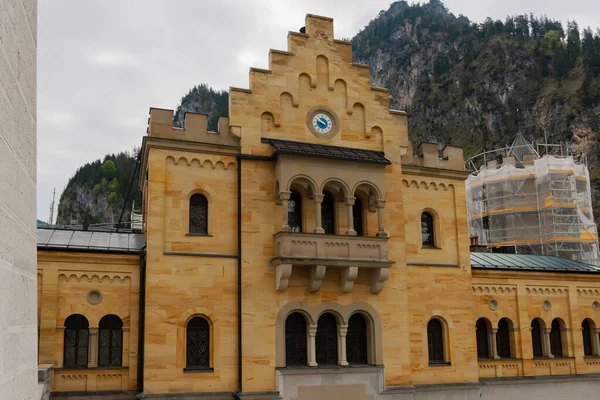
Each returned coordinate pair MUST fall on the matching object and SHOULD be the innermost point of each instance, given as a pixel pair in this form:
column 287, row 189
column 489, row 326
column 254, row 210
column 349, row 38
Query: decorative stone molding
column 301, row 250
column 109, row 376
column 596, row 305
column 427, row 185
column 78, row 276
column 583, row 291
column 94, row 297
column 493, row 304
column 494, row 289
column 204, row 163
column 73, row 376
column 547, row 290
column 547, row 305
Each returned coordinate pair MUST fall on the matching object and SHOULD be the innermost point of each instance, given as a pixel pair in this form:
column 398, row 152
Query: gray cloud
column 102, row 64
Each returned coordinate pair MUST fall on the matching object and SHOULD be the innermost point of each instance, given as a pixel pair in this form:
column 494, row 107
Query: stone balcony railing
column 319, row 252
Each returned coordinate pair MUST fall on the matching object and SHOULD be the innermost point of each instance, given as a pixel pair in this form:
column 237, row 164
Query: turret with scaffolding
column 532, row 199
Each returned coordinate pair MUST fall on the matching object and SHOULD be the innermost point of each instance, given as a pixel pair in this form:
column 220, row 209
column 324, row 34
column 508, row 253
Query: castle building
column 307, row 251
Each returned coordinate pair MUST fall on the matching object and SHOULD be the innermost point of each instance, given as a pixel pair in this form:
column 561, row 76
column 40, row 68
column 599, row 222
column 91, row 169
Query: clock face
column 322, row 123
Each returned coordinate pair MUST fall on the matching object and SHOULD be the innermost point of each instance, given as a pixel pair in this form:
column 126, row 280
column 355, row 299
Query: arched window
column 295, row 211
column 483, row 349
column 198, row 214
column 76, row 341
column 110, row 343
column 356, row 340
column 503, row 338
column 556, row 339
column 435, row 341
column 536, row 338
column 357, row 215
column 328, row 213
column 295, row 340
column 326, row 340
column 427, row 230
column 586, row 331
column 197, row 344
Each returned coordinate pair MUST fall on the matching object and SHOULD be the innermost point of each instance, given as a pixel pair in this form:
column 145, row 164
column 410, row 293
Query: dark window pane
column 328, row 213
column 556, row 340
column 435, row 341
column 587, row 338
column 197, row 343
column 536, row 338
column 198, row 214
column 76, row 341
column 295, row 340
column 295, row 211
column 356, row 340
column 357, row 214
column 503, row 339
column 427, row 230
column 326, row 340
column 482, row 338
column 110, row 341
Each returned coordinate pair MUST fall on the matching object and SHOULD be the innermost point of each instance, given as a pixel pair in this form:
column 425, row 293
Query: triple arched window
column 198, row 215
column 197, row 354
column 76, row 341
column 427, row 232
column 326, row 340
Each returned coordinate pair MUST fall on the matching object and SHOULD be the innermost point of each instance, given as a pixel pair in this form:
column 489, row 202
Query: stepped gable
column 316, row 72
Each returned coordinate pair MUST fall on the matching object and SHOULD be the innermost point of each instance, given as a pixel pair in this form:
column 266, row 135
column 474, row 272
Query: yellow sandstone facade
column 311, row 209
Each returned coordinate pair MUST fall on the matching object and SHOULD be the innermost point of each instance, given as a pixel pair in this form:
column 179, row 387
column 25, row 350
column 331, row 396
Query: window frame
column 296, row 197
column 333, row 231
column 556, row 339
column 589, row 342
column 288, row 357
column 323, row 339
column 500, row 350
column 537, row 338
column 77, row 341
column 208, row 329
column 482, row 333
column 192, row 232
column 353, row 338
column 443, row 345
column 432, row 241
column 111, row 348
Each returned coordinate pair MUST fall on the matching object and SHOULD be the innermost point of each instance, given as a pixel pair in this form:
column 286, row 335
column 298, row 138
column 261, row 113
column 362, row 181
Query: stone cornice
column 87, row 257
column 434, row 172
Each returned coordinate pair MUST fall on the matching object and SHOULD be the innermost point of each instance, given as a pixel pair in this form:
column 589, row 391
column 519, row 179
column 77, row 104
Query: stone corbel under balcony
column 319, row 252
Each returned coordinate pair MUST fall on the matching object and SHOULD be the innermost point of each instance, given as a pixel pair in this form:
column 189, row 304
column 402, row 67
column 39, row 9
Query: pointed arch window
column 198, row 214
column 295, row 211
column 427, row 234
column 110, row 342
column 481, row 329
column 198, row 344
column 295, row 340
column 536, row 338
column 328, row 213
column 556, row 339
column 76, row 341
column 435, row 341
column 356, row 340
column 586, row 331
column 503, row 338
column 326, row 340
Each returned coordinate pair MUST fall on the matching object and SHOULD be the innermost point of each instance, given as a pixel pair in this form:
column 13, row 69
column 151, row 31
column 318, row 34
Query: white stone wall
column 18, row 265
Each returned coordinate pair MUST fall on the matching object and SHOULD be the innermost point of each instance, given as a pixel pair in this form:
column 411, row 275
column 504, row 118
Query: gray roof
column 75, row 240
column 520, row 148
column 524, row 262
column 325, row 151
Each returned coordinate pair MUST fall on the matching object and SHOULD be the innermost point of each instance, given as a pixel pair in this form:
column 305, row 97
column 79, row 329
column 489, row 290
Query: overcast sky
column 103, row 63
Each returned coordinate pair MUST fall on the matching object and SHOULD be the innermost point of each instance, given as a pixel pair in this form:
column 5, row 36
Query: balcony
column 320, row 251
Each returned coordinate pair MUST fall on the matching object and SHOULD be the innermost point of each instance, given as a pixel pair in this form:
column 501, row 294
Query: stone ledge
column 331, row 370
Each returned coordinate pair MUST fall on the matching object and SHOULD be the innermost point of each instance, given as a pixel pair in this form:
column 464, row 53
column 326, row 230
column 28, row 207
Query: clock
column 322, row 122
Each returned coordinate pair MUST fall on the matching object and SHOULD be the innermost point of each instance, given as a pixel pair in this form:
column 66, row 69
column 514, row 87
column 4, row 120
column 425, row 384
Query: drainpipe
column 141, row 320
column 236, row 394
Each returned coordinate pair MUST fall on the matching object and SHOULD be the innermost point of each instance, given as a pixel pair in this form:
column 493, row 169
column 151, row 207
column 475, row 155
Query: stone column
column 342, row 349
column 318, row 222
column 350, row 203
column 93, row 347
column 312, row 351
column 493, row 344
column 546, row 344
column 596, row 342
column 380, row 204
column 285, row 197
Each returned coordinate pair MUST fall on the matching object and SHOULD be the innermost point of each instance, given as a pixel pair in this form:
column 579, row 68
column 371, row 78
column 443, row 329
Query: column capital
column 548, row 330
column 312, row 330
column 494, row 330
column 350, row 201
column 285, row 195
column 318, row 198
column 93, row 330
column 379, row 203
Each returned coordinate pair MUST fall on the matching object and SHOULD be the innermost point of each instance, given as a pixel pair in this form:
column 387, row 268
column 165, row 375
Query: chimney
column 475, row 247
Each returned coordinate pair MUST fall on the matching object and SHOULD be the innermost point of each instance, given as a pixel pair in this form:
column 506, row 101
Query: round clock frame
column 335, row 123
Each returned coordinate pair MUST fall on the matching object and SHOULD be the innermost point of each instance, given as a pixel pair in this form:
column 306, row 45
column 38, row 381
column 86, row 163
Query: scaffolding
column 520, row 201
